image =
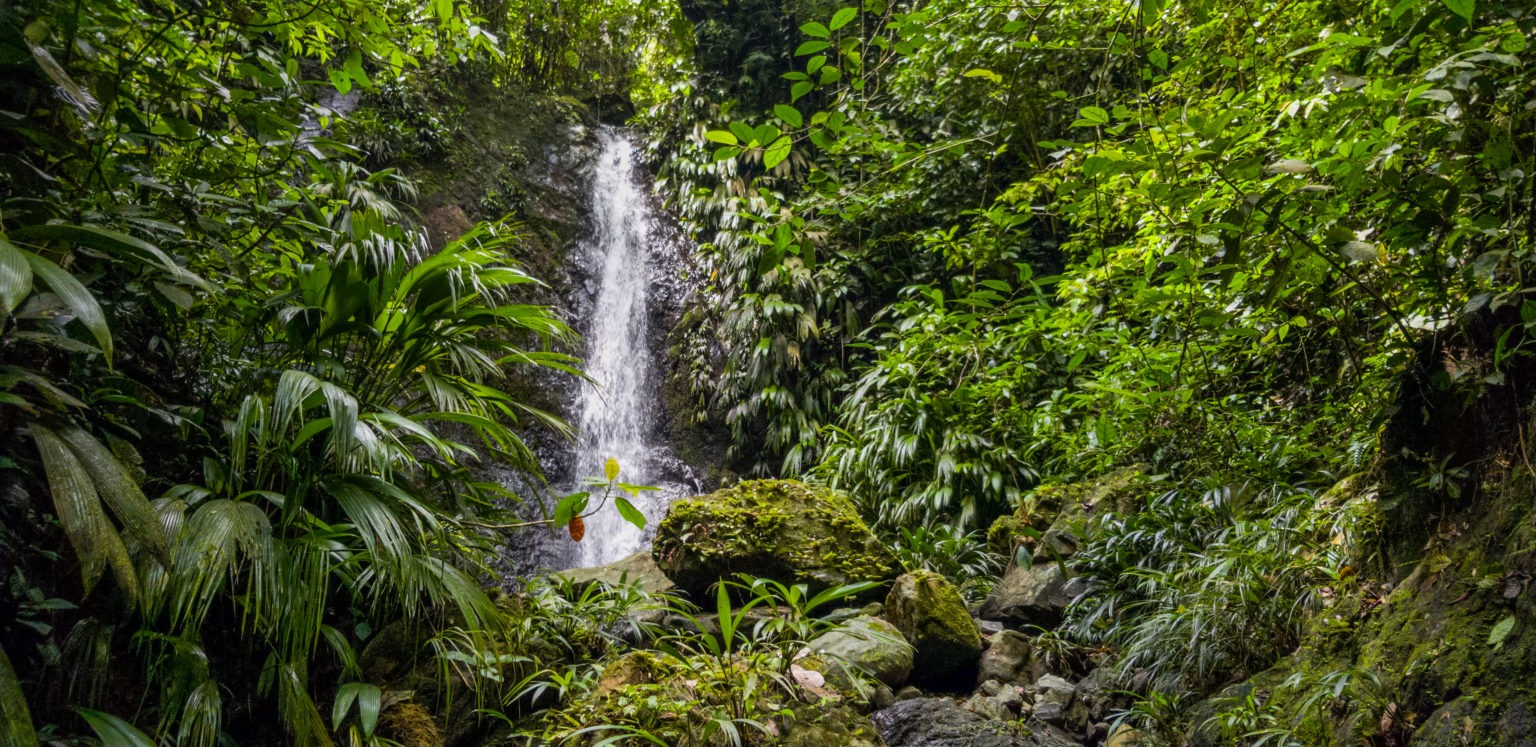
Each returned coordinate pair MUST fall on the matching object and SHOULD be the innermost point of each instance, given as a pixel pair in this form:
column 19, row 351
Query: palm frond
column 114, row 485
column 220, row 538
column 298, row 711
column 15, row 718
column 96, row 542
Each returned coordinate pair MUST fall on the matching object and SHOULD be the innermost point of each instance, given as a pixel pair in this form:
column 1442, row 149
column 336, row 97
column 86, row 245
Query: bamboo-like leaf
column 15, row 718
column 15, row 277
column 76, row 297
column 111, row 242
column 113, row 731
column 298, row 710
column 121, row 493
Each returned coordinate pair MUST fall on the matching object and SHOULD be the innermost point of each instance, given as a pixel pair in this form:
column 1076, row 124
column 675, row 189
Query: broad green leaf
column 1501, row 631
column 115, row 243
column 811, row 47
column 77, row 298
column 629, row 512
column 789, row 114
column 15, row 718
column 743, row 132
column 1093, row 115
column 815, row 29
column 121, row 493
column 842, row 18
column 1463, row 8
column 800, row 89
column 15, row 277
column 777, row 152
column 723, row 137
column 569, row 508
column 113, row 731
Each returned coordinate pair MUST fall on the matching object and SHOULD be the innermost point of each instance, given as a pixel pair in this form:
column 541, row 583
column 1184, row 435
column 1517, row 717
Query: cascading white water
column 613, row 410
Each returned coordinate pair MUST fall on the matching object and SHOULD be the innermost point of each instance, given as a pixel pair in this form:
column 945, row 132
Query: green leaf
column 354, row 67
column 744, row 132
column 815, row 29
column 842, row 18
column 1501, row 632
column 77, row 298
column 113, row 731
column 800, row 89
column 984, row 73
column 811, row 47
column 1463, row 8
column 611, row 469
column 789, row 114
column 121, row 493
column 722, row 137
column 777, row 152
column 1093, row 115
column 629, row 512
column 15, row 277
column 569, row 508
column 15, row 719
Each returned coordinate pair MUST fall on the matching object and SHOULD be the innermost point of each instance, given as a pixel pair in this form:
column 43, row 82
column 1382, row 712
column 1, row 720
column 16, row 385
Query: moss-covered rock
column 821, row 725
column 780, row 529
column 411, row 725
column 931, row 615
column 1051, row 521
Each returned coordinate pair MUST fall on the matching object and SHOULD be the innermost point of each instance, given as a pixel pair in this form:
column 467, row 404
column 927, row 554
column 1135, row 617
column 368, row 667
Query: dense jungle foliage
column 954, row 255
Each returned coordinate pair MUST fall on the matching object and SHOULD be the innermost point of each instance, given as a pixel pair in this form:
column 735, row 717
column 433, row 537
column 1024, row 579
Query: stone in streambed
column 939, row 722
column 931, row 615
column 637, row 570
column 869, row 644
column 1037, row 595
column 783, row 530
column 1009, row 658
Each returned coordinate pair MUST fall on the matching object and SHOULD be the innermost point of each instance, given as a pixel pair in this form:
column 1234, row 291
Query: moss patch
column 780, row 529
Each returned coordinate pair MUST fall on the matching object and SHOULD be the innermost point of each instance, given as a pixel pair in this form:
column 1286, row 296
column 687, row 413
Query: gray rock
column 1029, row 596
column 939, row 722
column 908, row 693
column 1056, row 703
column 1010, row 658
column 637, row 570
column 990, row 627
column 986, row 707
column 1010, row 697
column 869, row 644
column 1053, row 689
column 1046, row 735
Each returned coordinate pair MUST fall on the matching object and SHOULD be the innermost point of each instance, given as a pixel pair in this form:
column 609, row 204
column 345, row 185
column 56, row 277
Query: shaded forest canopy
column 1217, row 309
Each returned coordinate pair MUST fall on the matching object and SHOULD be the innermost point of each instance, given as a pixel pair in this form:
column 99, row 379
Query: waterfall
column 613, row 411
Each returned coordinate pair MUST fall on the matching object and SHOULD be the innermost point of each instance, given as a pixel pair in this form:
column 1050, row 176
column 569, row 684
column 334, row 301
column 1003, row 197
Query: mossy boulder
column 784, row 530
column 824, row 725
column 931, row 615
column 1052, row 520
